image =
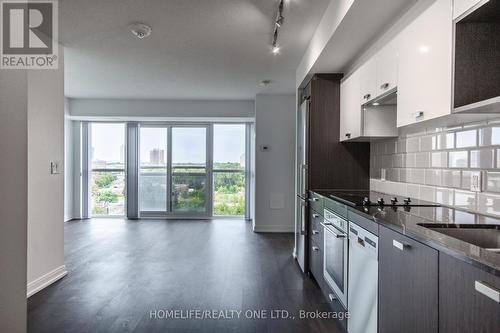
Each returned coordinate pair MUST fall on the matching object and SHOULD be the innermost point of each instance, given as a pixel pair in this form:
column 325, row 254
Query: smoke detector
column 140, row 30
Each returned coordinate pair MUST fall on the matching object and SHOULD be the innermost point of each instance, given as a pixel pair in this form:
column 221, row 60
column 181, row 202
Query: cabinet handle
column 384, row 86
column 315, row 248
column 348, row 135
column 315, row 232
column 315, row 216
column 418, row 114
column 332, row 297
column 399, row 245
column 487, row 291
column 367, row 96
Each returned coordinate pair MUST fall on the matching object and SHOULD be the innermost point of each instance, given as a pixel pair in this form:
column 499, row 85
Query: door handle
column 399, row 245
column 487, row 291
column 332, row 297
column 315, row 216
column 315, row 248
column 315, row 232
column 367, row 96
column 384, row 86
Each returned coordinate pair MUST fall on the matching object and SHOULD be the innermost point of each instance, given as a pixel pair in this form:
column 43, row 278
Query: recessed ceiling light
column 376, row 104
column 140, row 30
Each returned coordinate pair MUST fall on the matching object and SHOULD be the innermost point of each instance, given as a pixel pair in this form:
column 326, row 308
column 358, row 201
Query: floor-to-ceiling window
column 182, row 170
column 229, row 166
column 107, row 176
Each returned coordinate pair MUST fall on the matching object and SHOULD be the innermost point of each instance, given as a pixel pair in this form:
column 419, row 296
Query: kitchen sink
column 486, row 236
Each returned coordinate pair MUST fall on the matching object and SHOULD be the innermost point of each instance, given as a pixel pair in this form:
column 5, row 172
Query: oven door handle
column 332, row 231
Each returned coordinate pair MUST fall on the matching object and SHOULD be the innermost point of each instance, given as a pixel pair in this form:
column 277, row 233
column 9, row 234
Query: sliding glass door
column 173, row 174
column 189, row 170
column 153, row 169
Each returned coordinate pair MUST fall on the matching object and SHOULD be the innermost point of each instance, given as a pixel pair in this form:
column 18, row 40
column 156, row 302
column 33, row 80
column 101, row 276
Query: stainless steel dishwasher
column 363, row 280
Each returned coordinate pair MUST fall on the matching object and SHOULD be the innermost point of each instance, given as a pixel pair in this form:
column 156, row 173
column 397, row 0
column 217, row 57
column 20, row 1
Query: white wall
column 13, row 203
column 68, row 165
column 161, row 108
column 275, row 169
column 45, row 190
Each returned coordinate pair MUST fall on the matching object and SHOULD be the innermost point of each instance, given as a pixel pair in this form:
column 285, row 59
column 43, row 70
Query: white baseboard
column 274, row 228
column 46, row 280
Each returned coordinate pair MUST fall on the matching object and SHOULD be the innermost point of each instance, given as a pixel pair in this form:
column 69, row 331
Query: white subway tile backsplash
column 493, row 182
column 413, row 190
column 488, row 203
column 465, row 199
column 466, row 180
column 439, row 159
column 412, row 145
column 458, row 159
column 466, row 138
column 426, row 143
column 427, row 193
column 433, row 177
column 401, row 146
column 444, row 196
column 436, row 165
column 482, row 158
column 443, row 141
column 451, row 178
column 423, row 160
column 410, row 160
column 417, row 176
column 489, row 136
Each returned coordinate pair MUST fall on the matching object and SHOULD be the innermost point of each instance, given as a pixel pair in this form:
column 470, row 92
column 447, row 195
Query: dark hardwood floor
column 119, row 271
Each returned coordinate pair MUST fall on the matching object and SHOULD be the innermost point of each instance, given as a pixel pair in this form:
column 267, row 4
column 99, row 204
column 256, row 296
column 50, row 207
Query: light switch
column 475, row 181
column 54, row 168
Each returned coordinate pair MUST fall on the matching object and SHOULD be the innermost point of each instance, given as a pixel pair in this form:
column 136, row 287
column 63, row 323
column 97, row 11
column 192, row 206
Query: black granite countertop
column 406, row 220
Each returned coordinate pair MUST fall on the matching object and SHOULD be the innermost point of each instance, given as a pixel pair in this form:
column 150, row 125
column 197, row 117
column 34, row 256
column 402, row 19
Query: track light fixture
column 278, row 23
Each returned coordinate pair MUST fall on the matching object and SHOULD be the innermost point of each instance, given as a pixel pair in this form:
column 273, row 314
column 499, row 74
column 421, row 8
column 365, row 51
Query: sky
column 188, row 146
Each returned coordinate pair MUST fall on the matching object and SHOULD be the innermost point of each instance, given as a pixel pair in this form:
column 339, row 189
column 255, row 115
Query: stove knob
column 407, row 201
column 381, row 201
column 394, row 201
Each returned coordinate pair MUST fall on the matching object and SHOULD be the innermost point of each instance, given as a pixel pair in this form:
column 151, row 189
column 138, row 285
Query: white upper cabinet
column 368, row 80
column 425, row 65
column 387, row 67
column 461, row 6
column 350, row 108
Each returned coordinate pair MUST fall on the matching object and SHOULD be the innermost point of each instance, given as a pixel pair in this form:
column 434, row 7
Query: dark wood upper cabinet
column 332, row 164
column 462, row 308
column 477, row 58
column 408, row 285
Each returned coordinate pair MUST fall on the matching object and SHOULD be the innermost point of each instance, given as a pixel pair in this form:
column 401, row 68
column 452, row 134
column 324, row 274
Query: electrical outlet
column 476, row 181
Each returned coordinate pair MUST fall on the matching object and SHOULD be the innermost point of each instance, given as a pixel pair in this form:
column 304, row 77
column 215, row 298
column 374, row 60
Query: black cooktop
column 372, row 198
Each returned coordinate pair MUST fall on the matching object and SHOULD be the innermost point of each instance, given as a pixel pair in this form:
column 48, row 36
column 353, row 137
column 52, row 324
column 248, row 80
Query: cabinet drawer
column 315, row 228
column 316, row 202
column 316, row 260
column 468, row 297
column 408, row 284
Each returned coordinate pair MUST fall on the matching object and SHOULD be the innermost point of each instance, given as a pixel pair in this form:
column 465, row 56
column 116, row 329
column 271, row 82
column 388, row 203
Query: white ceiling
column 199, row 49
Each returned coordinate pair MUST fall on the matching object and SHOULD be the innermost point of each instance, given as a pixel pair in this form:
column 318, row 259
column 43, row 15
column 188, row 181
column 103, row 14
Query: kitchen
column 409, row 240
column 251, row 166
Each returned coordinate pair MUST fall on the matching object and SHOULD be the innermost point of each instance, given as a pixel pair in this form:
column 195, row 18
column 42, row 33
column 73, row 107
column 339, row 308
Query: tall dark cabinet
column 332, row 164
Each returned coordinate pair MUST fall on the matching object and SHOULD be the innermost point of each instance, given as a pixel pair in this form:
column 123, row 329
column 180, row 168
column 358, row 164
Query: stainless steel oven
column 336, row 254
